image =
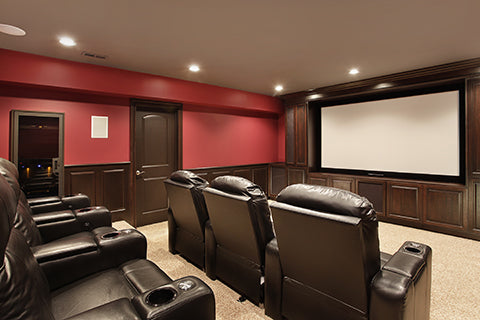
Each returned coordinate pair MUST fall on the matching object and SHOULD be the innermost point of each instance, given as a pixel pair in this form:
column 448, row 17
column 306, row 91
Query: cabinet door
column 404, row 201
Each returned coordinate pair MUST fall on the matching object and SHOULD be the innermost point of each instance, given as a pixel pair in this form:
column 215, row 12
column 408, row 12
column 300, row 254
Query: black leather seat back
column 23, row 220
column 232, row 224
column 328, row 248
column 24, row 291
column 186, row 201
column 9, row 166
column 240, row 216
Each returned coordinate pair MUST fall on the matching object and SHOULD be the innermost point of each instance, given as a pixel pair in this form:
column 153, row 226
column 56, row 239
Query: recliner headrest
column 188, row 177
column 328, row 200
column 12, row 181
column 237, row 185
column 8, row 205
column 9, row 166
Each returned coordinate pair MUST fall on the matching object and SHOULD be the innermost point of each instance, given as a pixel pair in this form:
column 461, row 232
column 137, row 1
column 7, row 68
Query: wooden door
column 156, row 157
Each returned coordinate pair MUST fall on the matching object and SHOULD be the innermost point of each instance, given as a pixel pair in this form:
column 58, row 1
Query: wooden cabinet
column 428, row 205
column 404, row 201
column 296, row 135
column 375, row 191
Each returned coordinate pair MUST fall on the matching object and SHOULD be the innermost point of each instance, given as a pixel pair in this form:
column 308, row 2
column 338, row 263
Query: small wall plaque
column 99, row 127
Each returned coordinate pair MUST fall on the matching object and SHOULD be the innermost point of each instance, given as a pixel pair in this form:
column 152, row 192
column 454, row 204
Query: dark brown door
column 156, row 153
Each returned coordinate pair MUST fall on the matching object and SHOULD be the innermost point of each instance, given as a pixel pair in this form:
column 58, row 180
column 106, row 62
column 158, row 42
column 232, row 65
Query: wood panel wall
column 257, row 173
column 106, row 185
column 444, row 207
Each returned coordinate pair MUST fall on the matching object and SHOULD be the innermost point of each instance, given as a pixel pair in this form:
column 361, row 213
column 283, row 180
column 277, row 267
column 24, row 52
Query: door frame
column 158, row 106
column 14, row 126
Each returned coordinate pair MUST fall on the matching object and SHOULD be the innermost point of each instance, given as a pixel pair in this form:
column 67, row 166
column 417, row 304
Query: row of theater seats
column 61, row 259
column 311, row 254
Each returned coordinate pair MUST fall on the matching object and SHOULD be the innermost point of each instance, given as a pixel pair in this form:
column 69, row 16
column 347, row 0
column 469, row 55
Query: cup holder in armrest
column 160, row 296
column 110, row 235
column 414, row 248
column 85, row 209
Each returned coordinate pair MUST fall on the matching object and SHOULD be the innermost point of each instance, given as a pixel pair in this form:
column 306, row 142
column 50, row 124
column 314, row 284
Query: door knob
column 139, row 173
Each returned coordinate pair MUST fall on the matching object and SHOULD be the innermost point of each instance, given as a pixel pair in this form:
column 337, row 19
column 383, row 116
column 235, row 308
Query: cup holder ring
column 110, row 235
column 160, row 296
column 414, row 248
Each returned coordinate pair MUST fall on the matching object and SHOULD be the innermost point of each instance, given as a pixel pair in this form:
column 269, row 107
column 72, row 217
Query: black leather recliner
column 237, row 234
column 187, row 215
column 326, row 263
column 62, row 217
column 135, row 289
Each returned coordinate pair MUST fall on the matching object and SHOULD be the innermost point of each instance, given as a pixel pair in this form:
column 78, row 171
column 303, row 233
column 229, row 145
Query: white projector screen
column 415, row 135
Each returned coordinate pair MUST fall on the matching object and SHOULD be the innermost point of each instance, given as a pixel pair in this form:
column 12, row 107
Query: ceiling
column 251, row 45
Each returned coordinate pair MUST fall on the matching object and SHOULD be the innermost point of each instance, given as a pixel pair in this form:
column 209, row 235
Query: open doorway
column 36, row 148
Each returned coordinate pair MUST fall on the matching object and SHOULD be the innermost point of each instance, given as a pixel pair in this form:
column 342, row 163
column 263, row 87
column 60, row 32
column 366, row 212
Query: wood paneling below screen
column 106, row 185
column 375, row 192
column 433, row 206
column 404, row 202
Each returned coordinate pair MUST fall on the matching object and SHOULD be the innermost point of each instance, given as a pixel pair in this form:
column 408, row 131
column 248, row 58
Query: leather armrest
column 79, row 255
column 172, row 232
column 273, row 281
column 47, row 204
column 57, row 224
column 42, row 200
column 185, row 298
column 76, row 201
column 93, row 217
column 401, row 289
column 63, row 248
column 55, row 216
column 117, row 247
column 118, row 309
column 210, row 251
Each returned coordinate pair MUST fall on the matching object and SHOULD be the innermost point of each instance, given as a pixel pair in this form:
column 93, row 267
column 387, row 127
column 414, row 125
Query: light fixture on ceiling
column 67, row 41
column 278, row 87
column 314, row 96
column 12, row 30
column 194, row 68
column 383, row 85
column 353, row 71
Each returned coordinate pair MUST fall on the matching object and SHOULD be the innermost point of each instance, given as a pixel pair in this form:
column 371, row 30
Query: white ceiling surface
column 251, row 45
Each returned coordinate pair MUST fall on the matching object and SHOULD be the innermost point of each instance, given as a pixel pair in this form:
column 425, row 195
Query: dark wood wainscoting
column 433, row 206
column 106, row 185
column 257, row 173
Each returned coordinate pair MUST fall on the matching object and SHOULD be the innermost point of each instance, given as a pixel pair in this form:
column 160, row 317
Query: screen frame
column 459, row 86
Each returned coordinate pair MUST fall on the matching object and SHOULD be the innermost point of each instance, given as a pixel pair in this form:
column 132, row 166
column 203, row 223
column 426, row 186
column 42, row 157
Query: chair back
column 328, row 249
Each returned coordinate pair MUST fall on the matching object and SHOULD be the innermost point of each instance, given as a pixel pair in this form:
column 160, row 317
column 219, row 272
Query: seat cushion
column 130, row 279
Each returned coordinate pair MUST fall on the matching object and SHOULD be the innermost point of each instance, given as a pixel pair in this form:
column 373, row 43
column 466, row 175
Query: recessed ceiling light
column 12, row 30
column 383, row 85
column 353, row 71
column 278, row 88
column 67, row 41
column 314, row 96
column 194, row 68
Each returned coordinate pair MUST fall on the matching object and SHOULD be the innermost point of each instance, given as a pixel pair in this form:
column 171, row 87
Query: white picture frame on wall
column 99, row 127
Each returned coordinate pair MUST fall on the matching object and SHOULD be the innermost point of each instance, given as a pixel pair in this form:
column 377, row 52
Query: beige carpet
column 455, row 278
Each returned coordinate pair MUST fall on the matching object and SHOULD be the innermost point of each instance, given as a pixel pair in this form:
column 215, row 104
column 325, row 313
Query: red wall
column 221, row 126
column 210, row 139
column 79, row 147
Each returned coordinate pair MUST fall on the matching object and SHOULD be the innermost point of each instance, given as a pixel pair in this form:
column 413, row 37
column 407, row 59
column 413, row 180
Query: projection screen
column 415, row 135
